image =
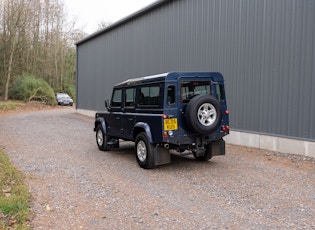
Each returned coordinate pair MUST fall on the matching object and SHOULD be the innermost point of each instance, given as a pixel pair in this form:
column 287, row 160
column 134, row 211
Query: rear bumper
column 195, row 140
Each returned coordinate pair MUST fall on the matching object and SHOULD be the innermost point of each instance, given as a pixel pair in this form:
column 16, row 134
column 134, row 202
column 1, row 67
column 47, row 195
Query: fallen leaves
column 7, row 192
column 47, row 207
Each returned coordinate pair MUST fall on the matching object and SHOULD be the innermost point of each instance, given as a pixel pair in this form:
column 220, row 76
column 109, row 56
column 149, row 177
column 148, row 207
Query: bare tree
column 36, row 39
column 13, row 19
column 103, row 24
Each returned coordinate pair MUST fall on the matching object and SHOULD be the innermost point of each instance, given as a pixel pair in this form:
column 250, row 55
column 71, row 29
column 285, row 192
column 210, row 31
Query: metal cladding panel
column 265, row 49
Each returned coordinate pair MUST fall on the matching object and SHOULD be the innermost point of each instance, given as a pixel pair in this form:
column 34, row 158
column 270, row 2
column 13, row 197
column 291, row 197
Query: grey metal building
column 265, row 49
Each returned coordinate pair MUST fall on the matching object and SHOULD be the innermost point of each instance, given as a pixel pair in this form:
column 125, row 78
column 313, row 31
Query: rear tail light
column 225, row 128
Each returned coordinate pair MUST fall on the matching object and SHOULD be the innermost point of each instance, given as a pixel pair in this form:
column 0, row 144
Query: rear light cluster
column 167, row 134
column 225, row 128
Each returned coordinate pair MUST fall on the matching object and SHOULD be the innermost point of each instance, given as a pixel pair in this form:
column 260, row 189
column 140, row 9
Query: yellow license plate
column 170, row 124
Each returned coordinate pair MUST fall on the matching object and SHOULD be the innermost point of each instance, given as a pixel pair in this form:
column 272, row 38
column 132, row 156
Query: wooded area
column 37, row 39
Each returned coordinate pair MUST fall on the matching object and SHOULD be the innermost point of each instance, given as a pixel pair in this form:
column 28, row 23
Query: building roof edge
column 124, row 20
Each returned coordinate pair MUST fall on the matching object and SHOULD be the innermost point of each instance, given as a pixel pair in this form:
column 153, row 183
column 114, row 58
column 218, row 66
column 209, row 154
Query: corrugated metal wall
column 264, row 48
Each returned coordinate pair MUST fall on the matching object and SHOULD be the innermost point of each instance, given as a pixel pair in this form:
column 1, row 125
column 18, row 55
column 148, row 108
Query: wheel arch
column 101, row 121
column 142, row 127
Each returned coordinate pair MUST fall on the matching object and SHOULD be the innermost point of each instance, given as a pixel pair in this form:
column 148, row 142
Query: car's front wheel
column 101, row 138
column 144, row 151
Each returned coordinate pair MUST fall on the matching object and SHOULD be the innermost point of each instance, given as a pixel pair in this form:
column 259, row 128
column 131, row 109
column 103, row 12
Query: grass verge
column 10, row 105
column 14, row 197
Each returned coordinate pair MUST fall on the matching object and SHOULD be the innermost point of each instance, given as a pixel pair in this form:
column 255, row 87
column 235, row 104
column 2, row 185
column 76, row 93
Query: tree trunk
column 7, row 83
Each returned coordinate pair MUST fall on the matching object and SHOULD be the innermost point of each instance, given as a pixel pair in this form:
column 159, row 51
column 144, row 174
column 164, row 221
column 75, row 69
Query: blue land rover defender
column 182, row 111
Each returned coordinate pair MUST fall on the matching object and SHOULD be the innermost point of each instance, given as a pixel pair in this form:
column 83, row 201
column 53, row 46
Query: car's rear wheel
column 203, row 114
column 101, row 138
column 144, row 151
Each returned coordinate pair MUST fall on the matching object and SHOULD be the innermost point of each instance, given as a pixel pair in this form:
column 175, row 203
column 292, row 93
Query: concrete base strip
column 273, row 143
column 88, row 113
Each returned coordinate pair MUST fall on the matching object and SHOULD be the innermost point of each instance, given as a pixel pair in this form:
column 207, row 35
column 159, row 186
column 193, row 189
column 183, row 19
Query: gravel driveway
column 76, row 186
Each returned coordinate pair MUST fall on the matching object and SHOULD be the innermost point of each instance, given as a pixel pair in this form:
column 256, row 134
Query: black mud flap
column 161, row 155
column 218, row 148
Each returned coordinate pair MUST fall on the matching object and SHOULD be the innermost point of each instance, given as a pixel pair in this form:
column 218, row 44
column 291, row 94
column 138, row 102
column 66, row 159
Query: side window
column 149, row 96
column 130, row 97
column 220, row 92
column 117, row 98
column 171, row 94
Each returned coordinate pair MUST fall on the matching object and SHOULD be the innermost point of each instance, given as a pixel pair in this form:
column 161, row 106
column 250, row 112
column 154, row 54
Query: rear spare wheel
column 203, row 114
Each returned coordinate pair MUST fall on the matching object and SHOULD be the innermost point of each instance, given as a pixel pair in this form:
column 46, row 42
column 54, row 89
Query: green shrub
column 70, row 90
column 30, row 88
column 10, row 105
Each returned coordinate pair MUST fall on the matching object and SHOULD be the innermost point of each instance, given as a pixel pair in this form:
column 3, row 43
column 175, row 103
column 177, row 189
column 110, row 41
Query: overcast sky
column 90, row 13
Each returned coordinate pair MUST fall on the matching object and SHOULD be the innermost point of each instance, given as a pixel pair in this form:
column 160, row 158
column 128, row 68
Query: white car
column 64, row 99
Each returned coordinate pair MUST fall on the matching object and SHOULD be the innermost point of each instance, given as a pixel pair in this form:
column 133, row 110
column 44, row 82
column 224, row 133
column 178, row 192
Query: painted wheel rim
column 99, row 138
column 141, row 151
column 207, row 114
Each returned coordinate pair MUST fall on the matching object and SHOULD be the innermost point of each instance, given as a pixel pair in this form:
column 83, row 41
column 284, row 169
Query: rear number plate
column 170, row 124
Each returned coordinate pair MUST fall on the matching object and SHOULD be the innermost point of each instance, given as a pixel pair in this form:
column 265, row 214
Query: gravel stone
column 76, row 186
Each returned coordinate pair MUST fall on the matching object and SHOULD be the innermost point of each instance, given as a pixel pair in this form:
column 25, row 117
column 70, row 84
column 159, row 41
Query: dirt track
column 76, row 186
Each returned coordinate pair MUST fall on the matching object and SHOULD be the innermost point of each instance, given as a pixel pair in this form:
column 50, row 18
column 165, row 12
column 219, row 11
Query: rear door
column 190, row 87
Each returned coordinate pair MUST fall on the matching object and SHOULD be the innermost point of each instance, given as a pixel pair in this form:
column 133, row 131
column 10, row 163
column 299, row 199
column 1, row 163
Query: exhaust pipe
column 167, row 146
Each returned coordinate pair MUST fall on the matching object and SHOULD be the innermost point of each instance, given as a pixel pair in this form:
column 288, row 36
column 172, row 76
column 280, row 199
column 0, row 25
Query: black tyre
column 203, row 114
column 101, row 139
column 144, row 151
column 207, row 155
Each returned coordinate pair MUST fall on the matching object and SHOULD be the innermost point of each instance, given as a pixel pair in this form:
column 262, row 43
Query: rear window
column 192, row 88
